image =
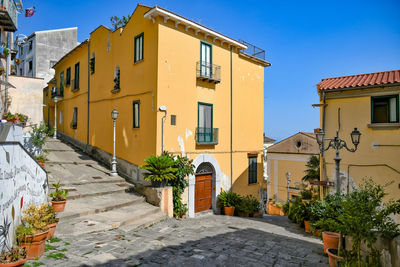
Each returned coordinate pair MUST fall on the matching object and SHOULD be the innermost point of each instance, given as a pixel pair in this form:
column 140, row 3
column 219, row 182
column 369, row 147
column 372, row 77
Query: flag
column 29, row 12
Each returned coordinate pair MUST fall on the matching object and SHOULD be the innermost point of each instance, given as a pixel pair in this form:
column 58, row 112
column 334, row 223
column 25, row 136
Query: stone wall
column 22, row 182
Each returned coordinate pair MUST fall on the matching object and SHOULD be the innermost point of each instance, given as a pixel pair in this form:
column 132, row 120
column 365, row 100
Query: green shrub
column 248, row 204
column 159, row 168
column 306, row 194
column 228, row 199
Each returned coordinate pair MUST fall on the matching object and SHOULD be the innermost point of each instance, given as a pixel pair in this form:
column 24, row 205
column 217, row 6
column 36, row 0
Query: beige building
column 369, row 102
column 288, row 158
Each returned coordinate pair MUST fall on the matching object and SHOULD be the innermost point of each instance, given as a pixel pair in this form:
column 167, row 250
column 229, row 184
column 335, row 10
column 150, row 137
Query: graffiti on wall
column 22, row 183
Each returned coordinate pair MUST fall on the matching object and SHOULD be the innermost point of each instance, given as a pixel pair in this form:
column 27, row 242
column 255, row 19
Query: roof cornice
column 168, row 15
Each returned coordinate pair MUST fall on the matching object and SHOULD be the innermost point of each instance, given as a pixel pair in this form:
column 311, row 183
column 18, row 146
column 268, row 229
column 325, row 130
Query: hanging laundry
column 29, row 12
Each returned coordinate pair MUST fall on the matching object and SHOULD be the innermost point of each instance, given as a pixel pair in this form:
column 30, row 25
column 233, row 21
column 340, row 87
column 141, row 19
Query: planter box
column 274, row 210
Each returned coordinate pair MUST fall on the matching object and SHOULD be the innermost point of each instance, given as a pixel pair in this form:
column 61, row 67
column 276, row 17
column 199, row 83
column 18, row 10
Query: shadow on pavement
column 241, row 247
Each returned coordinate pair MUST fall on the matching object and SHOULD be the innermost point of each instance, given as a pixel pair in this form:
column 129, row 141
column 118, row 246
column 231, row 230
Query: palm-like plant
column 159, row 169
column 312, row 171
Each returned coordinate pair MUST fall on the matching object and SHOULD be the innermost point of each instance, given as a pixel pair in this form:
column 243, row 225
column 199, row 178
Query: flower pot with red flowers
column 16, row 256
column 58, row 197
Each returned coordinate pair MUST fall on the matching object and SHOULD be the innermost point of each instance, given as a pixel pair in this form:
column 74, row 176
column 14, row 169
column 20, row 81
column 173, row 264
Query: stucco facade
column 166, row 76
column 378, row 154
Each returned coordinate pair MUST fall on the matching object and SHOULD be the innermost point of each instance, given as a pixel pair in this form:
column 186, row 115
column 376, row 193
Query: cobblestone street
column 209, row 240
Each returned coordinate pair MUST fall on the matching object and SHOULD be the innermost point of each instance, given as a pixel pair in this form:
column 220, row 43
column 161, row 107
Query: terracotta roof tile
column 360, row 80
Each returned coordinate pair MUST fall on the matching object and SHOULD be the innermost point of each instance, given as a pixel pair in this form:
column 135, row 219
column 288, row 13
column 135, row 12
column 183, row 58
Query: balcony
column 8, row 15
column 253, row 50
column 57, row 92
column 208, row 72
column 206, row 136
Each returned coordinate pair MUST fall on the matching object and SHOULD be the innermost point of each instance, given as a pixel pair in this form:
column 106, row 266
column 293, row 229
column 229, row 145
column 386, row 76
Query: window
column 76, row 81
column 52, row 63
column 136, row 113
column 385, row 109
column 173, row 120
column 68, row 80
column 30, row 45
column 30, row 65
column 21, row 72
column 74, row 123
column 205, row 123
column 205, row 60
column 61, row 81
column 21, row 50
column 139, row 40
column 92, row 64
column 252, row 170
column 117, row 78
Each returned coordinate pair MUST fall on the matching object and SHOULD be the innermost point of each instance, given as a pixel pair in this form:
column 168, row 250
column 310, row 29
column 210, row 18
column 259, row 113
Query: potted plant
column 243, row 207
column 49, row 213
column 41, row 159
column 32, row 232
column 160, row 170
column 254, row 205
column 228, row 201
column 58, row 197
column 333, row 255
column 15, row 257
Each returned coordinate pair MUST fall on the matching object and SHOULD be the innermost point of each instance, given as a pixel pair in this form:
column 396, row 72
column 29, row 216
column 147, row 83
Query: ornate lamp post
column 337, row 143
column 114, row 116
column 288, row 183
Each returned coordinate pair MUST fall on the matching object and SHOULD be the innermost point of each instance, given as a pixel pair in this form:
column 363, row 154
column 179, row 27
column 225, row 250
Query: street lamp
column 337, row 143
column 288, row 183
column 55, row 99
column 114, row 116
column 162, row 109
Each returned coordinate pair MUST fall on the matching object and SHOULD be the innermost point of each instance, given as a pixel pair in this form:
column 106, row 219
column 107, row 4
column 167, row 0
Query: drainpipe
column 231, row 147
column 7, row 73
column 88, row 97
column 322, row 159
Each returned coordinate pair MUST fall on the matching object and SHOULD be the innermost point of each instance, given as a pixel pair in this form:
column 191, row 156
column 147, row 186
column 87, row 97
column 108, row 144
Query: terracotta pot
column 229, row 211
column 255, row 214
column 273, row 210
column 331, row 240
column 36, row 237
column 34, row 249
column 316, row 232
column 307, row 226
column 333, row 257
column 52, row 230
column 243, row 214
column 282, row 213
column 58, row 205
column 13, row 264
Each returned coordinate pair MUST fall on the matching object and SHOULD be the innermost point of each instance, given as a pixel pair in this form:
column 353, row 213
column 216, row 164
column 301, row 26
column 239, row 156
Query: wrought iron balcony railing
column 8, row 15
column 208, row 72
column 206, row 136
column 253, row 50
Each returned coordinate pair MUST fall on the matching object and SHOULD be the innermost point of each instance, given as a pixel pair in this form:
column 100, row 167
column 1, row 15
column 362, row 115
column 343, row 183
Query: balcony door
column 206, row 60
column 205, row 123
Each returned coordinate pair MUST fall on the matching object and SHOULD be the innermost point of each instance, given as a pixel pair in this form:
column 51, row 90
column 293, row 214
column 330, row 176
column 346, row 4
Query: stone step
column 72, row 174
column 69, row 157
column 97, row 204
column 134, row 216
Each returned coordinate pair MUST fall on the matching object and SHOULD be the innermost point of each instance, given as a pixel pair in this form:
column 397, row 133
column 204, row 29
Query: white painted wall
column 22, row 182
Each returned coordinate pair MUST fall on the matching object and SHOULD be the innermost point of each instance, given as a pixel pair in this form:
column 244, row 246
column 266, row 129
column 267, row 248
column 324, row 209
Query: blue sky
column 304, row 40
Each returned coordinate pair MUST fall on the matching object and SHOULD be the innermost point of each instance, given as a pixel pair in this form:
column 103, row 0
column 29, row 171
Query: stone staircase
column 96, row 201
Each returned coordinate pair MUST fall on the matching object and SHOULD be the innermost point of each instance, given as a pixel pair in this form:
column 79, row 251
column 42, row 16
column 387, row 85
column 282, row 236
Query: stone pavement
column 208, row 240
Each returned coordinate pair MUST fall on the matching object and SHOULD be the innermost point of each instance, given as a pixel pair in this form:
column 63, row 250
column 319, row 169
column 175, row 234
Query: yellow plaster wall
column 297, row 172
column 356, row 112
column 180, row 92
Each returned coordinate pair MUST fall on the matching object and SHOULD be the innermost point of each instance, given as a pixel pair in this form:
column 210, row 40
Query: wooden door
column 203, row 193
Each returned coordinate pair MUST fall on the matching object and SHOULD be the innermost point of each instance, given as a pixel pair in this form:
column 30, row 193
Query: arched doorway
column 204, row 187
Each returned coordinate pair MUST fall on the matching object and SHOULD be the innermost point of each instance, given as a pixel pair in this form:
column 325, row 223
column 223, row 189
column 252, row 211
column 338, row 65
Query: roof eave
column 358, row 87
column 157, row 11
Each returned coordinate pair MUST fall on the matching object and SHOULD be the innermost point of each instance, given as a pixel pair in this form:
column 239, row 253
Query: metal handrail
column 206, row 135
column 208, row 71
column 253, row 50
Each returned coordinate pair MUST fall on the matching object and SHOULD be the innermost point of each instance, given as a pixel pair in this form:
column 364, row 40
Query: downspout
column 88, row 98
column 231, row 147
column 322, row 161
column 7, row 73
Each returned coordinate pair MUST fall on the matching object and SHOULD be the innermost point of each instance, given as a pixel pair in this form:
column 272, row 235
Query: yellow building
column 369, row 102
column 287, row 159
column 164, row 69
